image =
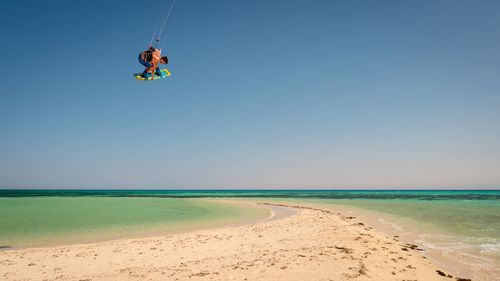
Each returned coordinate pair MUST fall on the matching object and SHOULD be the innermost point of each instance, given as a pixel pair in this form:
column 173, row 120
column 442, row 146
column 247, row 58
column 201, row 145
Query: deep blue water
column 320, row 194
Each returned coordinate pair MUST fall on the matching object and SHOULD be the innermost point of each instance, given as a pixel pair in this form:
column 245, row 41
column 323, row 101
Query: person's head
column 164, row 60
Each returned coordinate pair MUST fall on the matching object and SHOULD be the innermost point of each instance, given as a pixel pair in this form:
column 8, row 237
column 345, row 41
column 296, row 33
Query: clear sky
column 264, row 94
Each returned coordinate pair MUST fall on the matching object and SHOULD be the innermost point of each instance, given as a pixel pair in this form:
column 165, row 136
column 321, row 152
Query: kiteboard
column 165, row 73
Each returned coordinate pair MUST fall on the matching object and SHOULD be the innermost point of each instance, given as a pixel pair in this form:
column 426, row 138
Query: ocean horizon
column 461, row 224
column 423, row 194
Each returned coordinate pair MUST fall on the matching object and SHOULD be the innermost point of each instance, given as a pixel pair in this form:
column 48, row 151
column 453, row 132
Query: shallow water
column 462, row 235
column 469, row 213
column 467, row 218
column 42, row 221
column 460, row 225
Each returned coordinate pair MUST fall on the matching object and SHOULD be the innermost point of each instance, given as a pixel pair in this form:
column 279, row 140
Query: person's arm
column 155, row 61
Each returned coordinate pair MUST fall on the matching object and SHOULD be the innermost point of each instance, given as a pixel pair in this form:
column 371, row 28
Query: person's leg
column 147, row 72
column 158, row 72
column 145, row 64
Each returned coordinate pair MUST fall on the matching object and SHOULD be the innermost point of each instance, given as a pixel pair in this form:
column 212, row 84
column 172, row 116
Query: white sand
column 311, row 244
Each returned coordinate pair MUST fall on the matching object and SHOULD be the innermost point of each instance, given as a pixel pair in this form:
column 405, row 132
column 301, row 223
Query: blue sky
column 264, row 94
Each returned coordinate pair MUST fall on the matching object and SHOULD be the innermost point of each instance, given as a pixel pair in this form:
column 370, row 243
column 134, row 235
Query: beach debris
column 298, row 207
column 202, row 273
column 463, row 279
column 407, row 246
column 362, row 270
column 450, row 276
column 414, row 247
column 343, row 249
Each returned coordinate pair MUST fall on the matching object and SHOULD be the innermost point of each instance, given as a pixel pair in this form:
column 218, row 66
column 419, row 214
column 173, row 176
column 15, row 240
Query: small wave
column 490, row 249
column 392, row 224
column 442, row 246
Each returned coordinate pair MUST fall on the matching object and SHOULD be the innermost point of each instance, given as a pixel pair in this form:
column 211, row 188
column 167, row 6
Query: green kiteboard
column 165, row 73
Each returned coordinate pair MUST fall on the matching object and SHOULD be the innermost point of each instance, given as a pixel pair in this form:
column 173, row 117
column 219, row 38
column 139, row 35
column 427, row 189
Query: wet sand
column 457, row 263
column 298, row 242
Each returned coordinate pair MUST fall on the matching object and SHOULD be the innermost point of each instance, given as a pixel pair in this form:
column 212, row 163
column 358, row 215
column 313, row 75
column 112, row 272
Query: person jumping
column 151, row 59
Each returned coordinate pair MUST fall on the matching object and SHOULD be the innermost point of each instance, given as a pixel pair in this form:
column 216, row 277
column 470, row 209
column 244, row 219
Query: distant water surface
column 427, row 195
column 463, row 224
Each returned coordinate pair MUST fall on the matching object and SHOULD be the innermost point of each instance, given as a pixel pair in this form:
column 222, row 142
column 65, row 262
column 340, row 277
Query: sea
column 462, row 226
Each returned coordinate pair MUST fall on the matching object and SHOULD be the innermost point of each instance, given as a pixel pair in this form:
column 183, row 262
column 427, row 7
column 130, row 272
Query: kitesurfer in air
column 151, row 59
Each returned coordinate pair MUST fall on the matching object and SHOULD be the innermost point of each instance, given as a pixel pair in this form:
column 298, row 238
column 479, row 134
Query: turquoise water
column 463, row 225
column 52, row 220
column 466, row 217
column 461, row 234
column 474, row 214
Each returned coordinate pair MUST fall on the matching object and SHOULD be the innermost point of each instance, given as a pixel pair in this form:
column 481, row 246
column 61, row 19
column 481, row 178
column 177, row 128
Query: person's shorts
column 143, row 62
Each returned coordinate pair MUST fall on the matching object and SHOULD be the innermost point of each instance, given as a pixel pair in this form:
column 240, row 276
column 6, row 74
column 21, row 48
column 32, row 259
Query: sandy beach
column 250, row 140
column 301, row 243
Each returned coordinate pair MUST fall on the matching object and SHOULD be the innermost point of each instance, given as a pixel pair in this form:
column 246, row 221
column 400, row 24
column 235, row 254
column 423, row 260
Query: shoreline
column 175, row 229
column 311, row 240
column 407, row 232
